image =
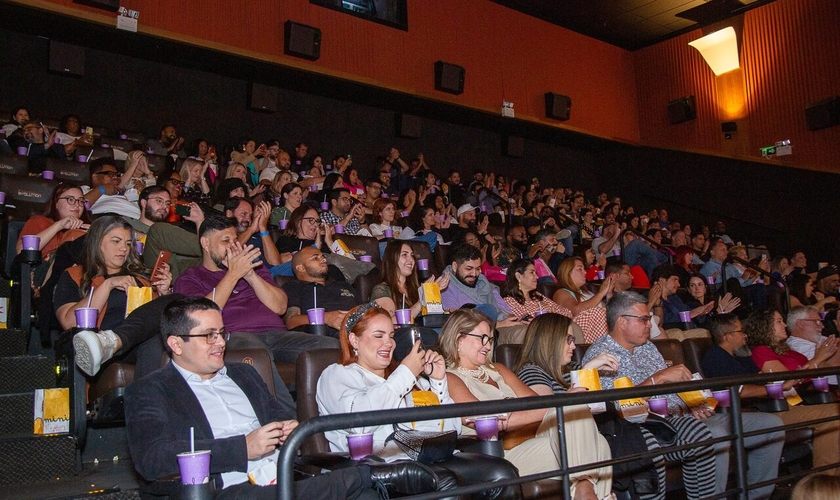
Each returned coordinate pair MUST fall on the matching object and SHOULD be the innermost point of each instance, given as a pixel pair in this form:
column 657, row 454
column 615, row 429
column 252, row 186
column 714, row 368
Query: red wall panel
column 507, row 55
column 790, row 58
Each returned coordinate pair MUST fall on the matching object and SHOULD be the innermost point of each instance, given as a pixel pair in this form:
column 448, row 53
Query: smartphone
column 416, row 336
column 212, row 150
column 527, row 317
column 162, row 258
column 182, row 209
column 89, row 130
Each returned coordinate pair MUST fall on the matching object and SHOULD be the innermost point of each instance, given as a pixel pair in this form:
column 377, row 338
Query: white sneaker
column 93, row 349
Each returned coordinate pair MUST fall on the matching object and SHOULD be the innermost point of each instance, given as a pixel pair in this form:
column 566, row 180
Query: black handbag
column 424, row 446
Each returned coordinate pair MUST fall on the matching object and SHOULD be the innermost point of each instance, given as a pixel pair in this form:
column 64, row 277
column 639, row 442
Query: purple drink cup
column 710, row 280
column 360, row 445
column 388, row 233
column 722, row 398
column 31, row 242
column 48, row 174
column 2, row 197
column 325, row 206
column 283, row 223
column 659, row 405
column 775, row 390
column 339, row 229
column 22, row 151
column 316, row 316
column 820, row 384
column 366, row 258
column 487, row 428
column 86, row 317
column 195, row 467
column 422, row 264
column 403, row 316
column 685, row 316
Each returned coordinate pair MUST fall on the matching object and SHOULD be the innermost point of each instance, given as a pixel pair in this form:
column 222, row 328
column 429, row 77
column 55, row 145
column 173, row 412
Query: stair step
column 16, row 417
column 24, row 374
column 29, row 459
column 12, row 342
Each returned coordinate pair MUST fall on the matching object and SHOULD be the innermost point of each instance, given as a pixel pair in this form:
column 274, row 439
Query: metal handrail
column 659, row 246
column 760, row 271
column 285, row 484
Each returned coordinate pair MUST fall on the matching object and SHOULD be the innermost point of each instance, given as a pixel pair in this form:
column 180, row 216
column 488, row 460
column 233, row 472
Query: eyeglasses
column 162, row 201
column 311, row 220
column 809, row 319
column 176, row 182
column 211, row 337
column 742, row 332
column 72, row 200
column 570, row 339
column 485, row 339
column 109, row 173
column 643, row 319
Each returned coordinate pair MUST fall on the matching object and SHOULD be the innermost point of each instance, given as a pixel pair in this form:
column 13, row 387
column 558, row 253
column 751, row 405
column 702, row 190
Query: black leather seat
column 361, row 245
column 694, row 349
column 69, row 170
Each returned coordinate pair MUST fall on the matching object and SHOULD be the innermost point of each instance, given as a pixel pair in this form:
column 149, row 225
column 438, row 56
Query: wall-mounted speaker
column 682, row 110
column 449, row 77
column 823, row 114
column 262, row 98
column 558, row 106
column 67, row 59
column 729, row 127
column 302, row 41
column 112, row 5
column 513, row 146
column 408, row 126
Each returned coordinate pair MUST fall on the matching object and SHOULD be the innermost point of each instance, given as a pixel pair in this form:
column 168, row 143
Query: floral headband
column 352, row 319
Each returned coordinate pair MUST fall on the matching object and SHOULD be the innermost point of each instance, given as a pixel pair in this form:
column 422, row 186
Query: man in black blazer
column 198, row 390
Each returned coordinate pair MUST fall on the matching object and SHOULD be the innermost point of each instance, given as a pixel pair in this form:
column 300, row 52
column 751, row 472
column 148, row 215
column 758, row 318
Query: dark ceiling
column 632, row 24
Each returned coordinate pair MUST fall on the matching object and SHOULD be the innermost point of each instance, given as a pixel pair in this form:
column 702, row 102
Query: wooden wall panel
column 507, row 55
column 790, row 58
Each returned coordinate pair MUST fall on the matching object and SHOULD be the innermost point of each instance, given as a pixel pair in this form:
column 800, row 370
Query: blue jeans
column 637, row 253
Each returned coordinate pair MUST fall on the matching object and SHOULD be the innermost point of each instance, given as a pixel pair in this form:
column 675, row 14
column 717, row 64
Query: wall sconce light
column 719, row 49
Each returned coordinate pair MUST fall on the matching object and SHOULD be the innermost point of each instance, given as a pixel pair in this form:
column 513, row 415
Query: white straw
column 90, row 297
column 315, row 297
column 403, row 301
column 89, row 155
column 192, row 439
column 214, row 294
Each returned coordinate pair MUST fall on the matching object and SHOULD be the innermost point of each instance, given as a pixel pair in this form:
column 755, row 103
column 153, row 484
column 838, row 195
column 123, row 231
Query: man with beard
column 516, row 246
column 167, row 144
column 154, row 204
column 252, row 227
column 39, row 144
column 336, row 297
column 232, row 275
column 472, row 287
column 343, row 212
column 276, row 160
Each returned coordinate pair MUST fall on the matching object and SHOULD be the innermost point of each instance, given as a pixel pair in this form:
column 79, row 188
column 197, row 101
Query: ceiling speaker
column 682, row 110
column 558, row 106
column 302, row 41
column 449, row 78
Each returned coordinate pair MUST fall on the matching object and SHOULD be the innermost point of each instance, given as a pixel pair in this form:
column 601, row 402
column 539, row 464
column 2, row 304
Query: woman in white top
column 384, row 213
column 367, row 378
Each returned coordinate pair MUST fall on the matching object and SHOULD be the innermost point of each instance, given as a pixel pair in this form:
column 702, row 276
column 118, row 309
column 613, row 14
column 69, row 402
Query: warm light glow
column 719, row 49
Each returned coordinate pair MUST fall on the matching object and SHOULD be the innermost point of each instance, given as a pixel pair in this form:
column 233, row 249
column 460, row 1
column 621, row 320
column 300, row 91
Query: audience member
column 344, row 211
column 167, row 144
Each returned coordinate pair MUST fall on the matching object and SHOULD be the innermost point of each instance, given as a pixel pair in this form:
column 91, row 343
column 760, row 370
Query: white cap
column 465, row 208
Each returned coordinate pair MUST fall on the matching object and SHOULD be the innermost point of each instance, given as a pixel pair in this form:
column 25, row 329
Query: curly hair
column 759, row 330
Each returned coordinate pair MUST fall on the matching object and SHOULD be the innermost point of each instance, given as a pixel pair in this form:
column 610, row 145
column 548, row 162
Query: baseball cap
column 465, row 208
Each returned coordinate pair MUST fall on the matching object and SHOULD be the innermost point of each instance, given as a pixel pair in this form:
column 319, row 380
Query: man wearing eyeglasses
column 805, row 327
column 705, row 468
column 104, row 194
column 343, row 211
column 233, row 415
column 730, row 357
column 154, row 205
